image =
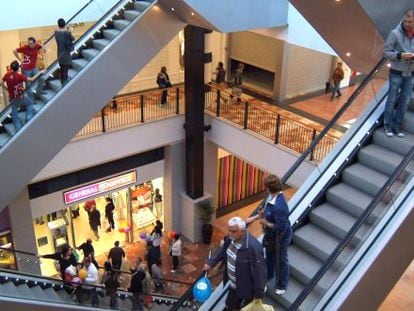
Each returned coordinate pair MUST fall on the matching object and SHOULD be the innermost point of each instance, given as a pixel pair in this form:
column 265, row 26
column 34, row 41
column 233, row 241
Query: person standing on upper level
column 399, row 49
column 64, row 40
column 337, row 76
column 163, row 81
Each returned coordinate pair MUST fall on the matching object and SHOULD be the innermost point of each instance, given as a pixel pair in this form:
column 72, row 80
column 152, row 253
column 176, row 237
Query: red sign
column 85, row 192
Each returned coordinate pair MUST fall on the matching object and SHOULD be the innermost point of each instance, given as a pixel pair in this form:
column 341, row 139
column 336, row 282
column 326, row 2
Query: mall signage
column 81, row 194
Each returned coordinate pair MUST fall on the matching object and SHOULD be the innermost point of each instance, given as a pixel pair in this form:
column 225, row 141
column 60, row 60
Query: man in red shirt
column 30, row 53
column 15, row 82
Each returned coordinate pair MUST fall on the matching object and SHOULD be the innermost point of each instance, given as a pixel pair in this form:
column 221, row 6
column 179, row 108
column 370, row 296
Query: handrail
column 99, row 268
column 333, row 121
column 82, row 37
column 351, row 233
column 313, row 127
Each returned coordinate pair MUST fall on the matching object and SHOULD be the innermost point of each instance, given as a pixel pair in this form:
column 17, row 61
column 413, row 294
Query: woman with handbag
column 274, row 216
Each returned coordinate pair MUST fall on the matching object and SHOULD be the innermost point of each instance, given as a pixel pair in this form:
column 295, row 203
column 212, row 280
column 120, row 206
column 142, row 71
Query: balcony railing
column 281, row 129
column 277, row 127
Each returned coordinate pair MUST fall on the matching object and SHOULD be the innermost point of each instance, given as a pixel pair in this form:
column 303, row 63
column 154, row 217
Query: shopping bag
column 257, row 305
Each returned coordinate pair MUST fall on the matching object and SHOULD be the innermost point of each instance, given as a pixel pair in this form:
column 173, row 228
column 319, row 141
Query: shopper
column 156, row 236
column 152, row 255
column 237, row 82
column 64, row 40
column 88, row 251
column 157, row 275
column 110, row 280
column 175, row 250
column 163, row 81
column 244, row 265
column 136, row 289
column 95, row 221
column 30, row 53
column 158, row 203
column 15, row 82
column 277, row 233
column 399, row 50
column 91, row 279
column 116, row 254
column 337, row 76
column 109, row 213
column 65, row 258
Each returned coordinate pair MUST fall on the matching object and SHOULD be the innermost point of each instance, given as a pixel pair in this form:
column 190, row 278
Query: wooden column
column 194, row 109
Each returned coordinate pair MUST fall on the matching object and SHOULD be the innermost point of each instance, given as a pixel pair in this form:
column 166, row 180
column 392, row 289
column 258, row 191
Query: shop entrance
column 136, row 207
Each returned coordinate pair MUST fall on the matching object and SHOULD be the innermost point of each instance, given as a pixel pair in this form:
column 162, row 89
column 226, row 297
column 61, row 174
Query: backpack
column 69, row 42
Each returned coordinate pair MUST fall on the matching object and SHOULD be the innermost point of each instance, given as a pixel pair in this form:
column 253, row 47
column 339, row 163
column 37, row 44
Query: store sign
column 85, row 192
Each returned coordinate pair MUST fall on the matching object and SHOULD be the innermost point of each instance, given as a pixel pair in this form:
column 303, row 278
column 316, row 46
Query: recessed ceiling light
column 192, row 14
column 172, row 9
column 348, row 54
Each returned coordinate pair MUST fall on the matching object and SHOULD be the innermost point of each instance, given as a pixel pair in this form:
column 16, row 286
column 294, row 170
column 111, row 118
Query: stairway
column 339, row 208
column 51, row 295
column 106, row 57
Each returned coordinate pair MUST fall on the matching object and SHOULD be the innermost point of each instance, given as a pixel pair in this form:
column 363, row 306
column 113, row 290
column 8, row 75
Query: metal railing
column 277, row 127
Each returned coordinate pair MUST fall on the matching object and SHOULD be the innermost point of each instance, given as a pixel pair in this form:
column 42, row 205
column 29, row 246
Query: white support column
column 174, row 185
column 21, row 222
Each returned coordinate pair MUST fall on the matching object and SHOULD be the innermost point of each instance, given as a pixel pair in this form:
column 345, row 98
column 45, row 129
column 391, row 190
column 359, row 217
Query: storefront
column 61, row 207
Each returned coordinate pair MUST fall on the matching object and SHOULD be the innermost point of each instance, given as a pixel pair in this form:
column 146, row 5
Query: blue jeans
column 15, row 104
column 277, row 262
column 30, row 73
column 395, row 107
column 335, row 89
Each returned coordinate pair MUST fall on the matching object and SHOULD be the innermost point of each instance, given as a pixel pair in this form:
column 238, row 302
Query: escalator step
column 100, row 43
column 131, row 14
column 120, row 23
column 110, row 33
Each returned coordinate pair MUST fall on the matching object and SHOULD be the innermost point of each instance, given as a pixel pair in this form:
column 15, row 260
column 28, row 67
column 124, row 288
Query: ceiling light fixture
column 192, row 14
column 172, row 9
column 348, row 54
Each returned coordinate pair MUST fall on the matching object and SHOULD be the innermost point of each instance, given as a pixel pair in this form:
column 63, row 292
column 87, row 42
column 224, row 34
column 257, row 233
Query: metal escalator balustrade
column 106, row 57
column 362, row 129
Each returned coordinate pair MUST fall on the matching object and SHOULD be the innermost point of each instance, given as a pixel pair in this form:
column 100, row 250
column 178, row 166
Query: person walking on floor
column 244, row 265
column 237, row 82
column 277, row 233
column 157, row 275
column 15, row 82
column 399, row 49
column 109, row 213
column 337, row 76
column 163, row 81
column 64, row 40
column 136, row 289
column 110, row 280
column 95, row 221
column 88, row 251
column 175, row 250
column 92, row 279
column 115, row 255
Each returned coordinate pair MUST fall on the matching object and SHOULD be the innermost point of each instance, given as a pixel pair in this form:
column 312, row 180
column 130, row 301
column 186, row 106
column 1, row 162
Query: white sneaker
column 400, row 134
column 388, row 133
column 280, row 291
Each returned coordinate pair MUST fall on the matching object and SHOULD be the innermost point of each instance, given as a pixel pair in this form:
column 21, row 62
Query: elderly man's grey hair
column 237, row 221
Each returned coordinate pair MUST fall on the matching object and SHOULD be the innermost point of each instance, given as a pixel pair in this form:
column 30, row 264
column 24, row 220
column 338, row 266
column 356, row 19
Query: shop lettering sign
column 94, row 189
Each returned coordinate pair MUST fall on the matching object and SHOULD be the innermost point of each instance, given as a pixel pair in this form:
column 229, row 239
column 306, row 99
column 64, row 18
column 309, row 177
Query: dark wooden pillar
column 194, row 109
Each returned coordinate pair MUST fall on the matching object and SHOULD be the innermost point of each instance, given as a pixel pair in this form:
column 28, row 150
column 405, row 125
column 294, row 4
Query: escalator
column 105, row 58
column 338, row 214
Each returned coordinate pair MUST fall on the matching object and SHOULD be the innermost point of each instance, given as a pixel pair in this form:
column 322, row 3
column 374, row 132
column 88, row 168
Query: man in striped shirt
column 245, row 267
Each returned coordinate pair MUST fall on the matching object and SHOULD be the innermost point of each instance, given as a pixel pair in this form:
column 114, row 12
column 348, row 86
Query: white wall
column 307, row 71
column 54, row 201
column 15, row 14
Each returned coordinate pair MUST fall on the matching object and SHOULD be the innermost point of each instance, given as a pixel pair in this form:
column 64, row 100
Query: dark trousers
column 164, row 97
column 111, row 221
column 64, row 70
column 175, row 262
column 233, row 302
column 80, row 292
column 136, row 302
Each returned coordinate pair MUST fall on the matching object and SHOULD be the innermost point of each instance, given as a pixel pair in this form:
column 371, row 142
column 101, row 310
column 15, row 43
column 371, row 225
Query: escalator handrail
column 77, row 44
column 99, row 268
column 351, row 233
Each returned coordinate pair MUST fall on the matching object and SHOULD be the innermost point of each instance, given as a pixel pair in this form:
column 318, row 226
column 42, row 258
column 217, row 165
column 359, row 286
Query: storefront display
column 7, row 259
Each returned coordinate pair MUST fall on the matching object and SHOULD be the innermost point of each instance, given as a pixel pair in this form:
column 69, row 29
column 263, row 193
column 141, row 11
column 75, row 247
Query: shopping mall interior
column 109, row 133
